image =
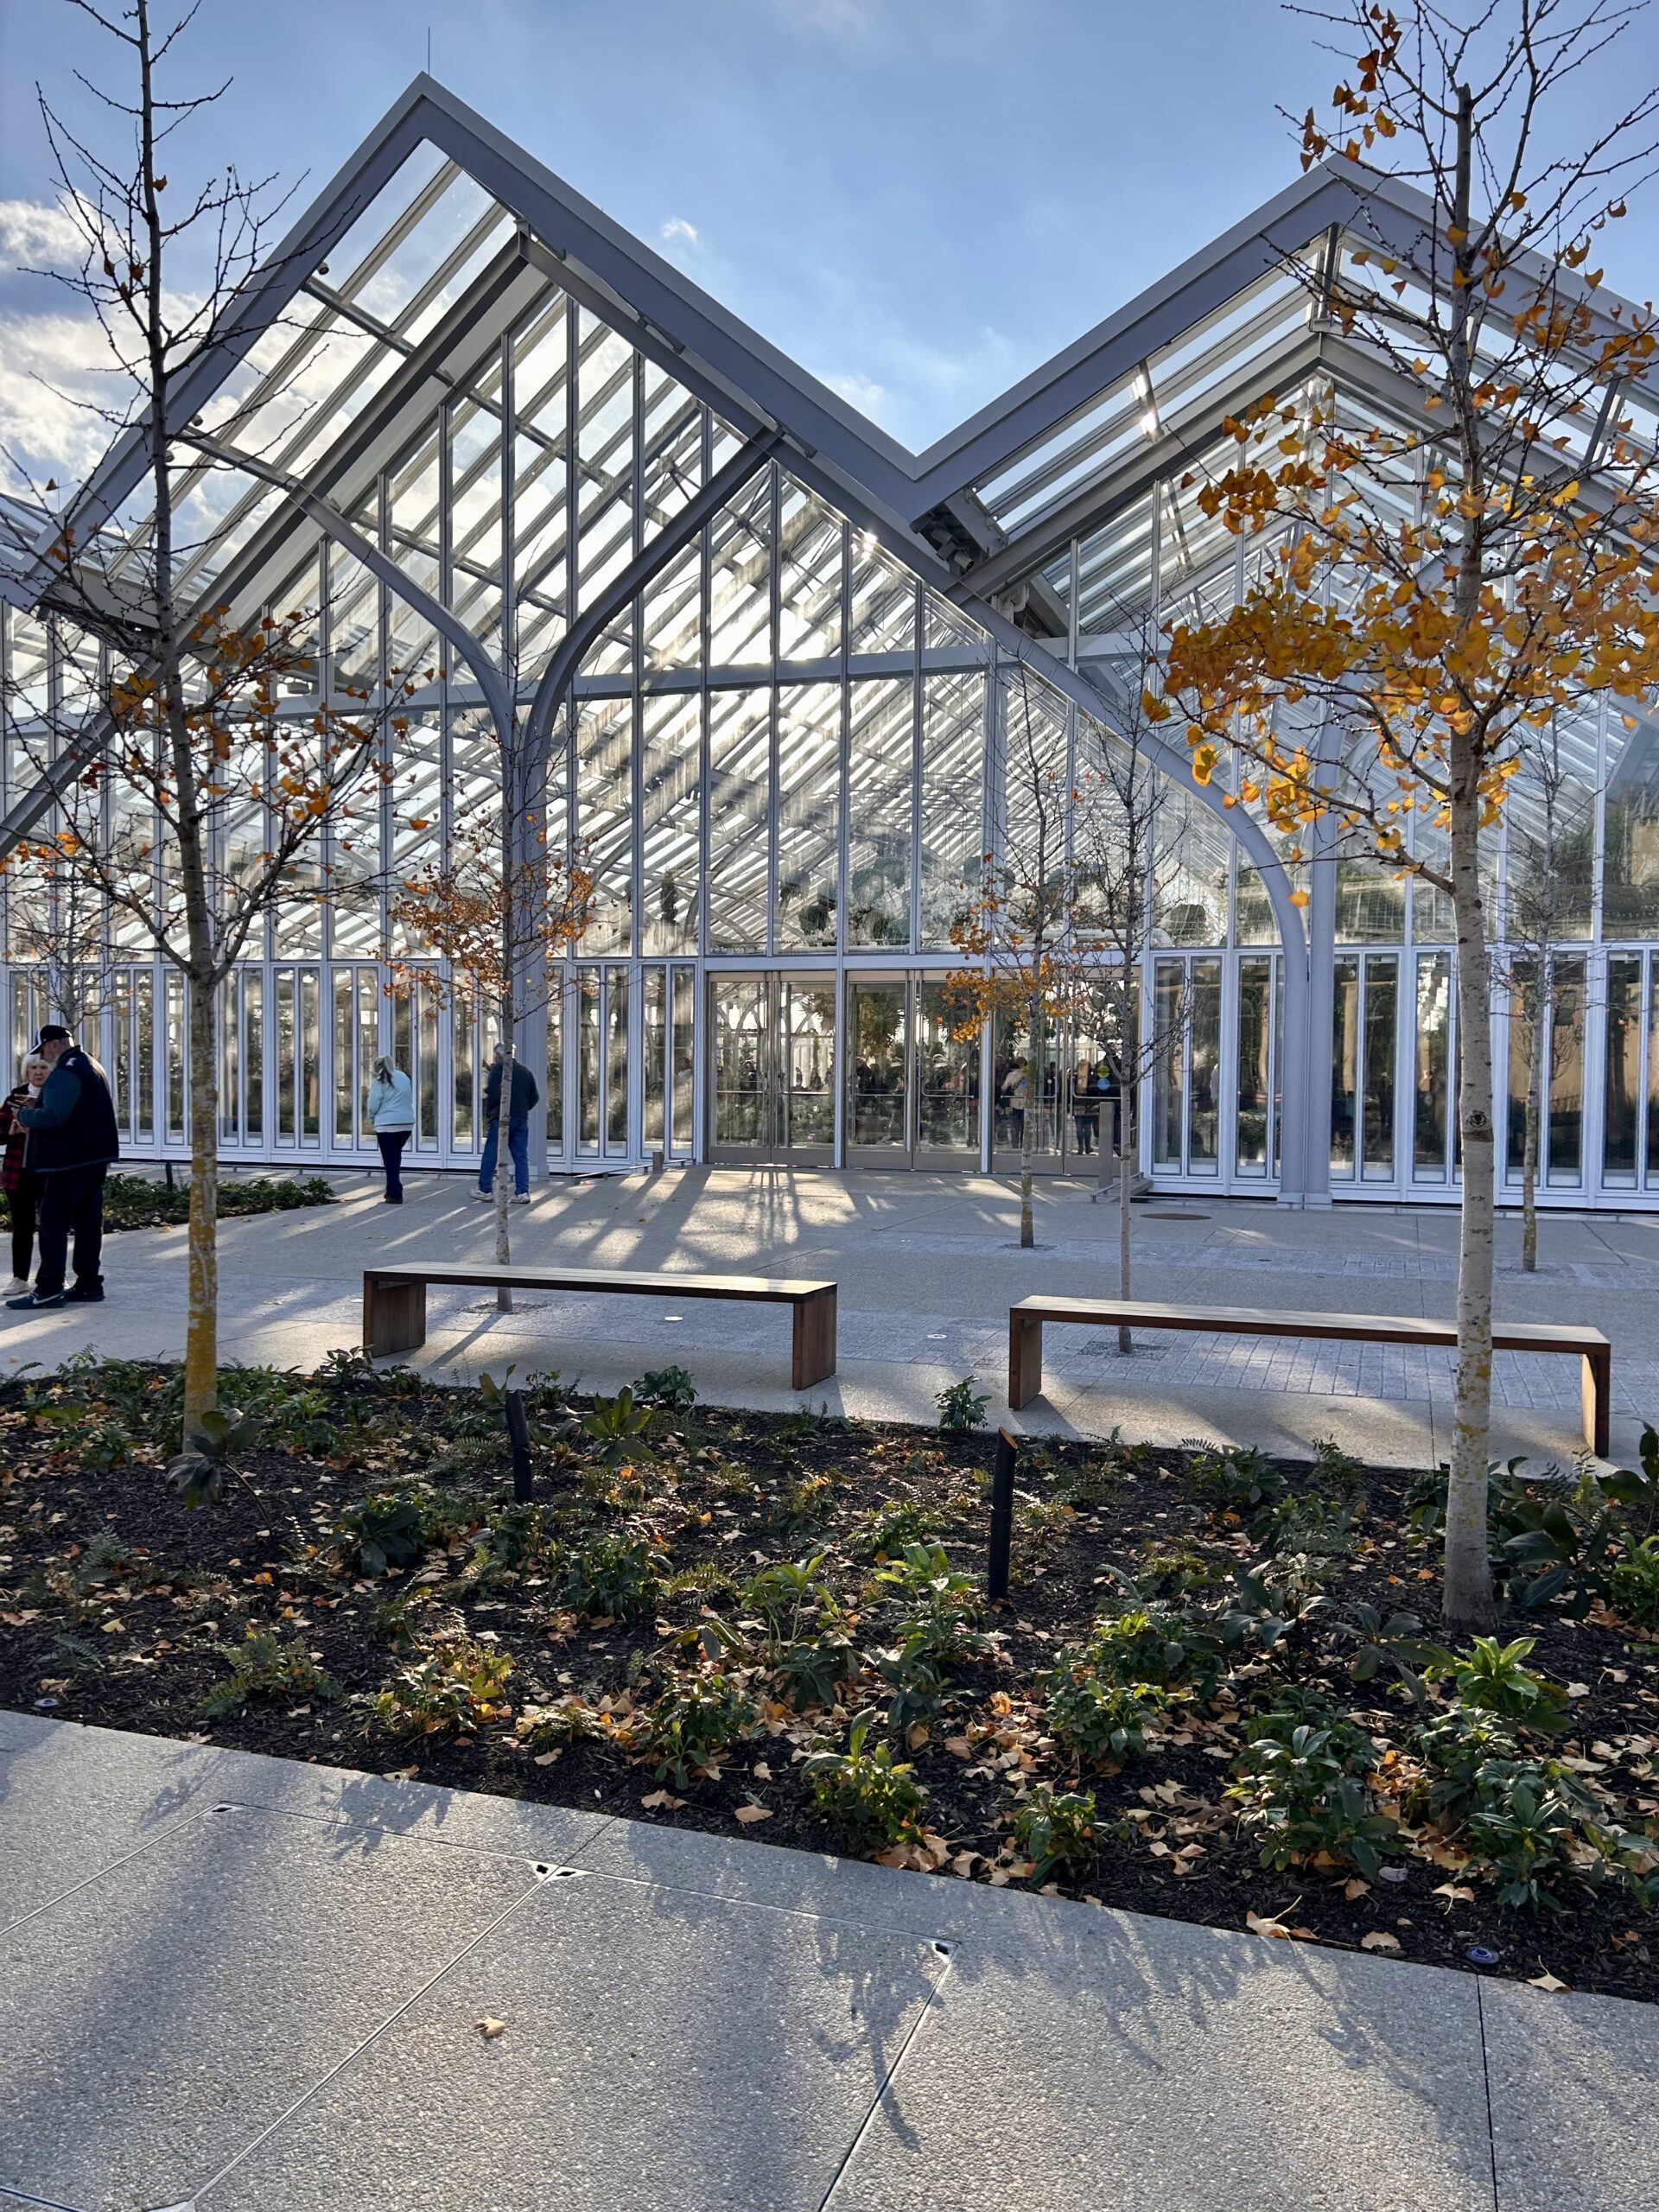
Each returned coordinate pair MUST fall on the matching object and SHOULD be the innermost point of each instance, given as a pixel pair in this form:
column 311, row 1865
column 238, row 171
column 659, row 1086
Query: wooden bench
column 1027, row 1319
column 394, row 1302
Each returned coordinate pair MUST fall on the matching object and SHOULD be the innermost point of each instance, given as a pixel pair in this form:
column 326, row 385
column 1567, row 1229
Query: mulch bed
column 118, row 1606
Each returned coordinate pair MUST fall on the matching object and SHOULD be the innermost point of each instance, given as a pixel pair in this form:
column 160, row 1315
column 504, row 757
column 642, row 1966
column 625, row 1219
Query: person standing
column 392, row 1117
column 72, row 1139
column 1085, row 1109
column 523, row 1095
column 22, row 1188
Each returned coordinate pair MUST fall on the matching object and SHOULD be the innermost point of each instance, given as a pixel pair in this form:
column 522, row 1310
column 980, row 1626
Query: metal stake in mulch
column 518, row 1439
column 996, row 1575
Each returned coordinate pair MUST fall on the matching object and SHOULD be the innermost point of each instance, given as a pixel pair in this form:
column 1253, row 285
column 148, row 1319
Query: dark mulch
column 133, row 1633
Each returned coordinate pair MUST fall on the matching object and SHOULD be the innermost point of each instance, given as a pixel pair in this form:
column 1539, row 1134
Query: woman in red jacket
column 23, row 1190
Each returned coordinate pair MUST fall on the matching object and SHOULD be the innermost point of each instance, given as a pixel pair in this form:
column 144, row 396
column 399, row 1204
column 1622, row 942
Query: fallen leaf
column 1258, row 1926
column 1546, row 1981
column 749, row 1813
column 1459, row 1892
column 1354, row 1888
column 661, row 1800
column 1379, row 1940
column 490, row 2028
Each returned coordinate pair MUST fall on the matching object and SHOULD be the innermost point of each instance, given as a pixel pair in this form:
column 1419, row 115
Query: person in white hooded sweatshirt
column 391, row 1115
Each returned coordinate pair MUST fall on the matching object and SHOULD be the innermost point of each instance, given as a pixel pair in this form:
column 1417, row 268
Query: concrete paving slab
column 1147, row 2066
column 1575, row 2100
column 154, row 2025
column 659, row 2049
column 74, row 1799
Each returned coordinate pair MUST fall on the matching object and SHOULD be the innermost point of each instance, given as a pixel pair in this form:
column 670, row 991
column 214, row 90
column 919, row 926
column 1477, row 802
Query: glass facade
column 784, row 755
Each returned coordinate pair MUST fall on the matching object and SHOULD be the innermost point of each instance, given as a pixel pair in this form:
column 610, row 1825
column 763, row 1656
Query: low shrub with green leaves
column 389, row 1530
column 1164, row 1645
column 1633, row 1591
column 888, row 1531
column 870, row 1800
column 1239, row 1479
column 267, row 1665
column 614, row 1576
column 1494, row 1677
column 670, row 1388
column 960, row 1407
column 1055, row 1828
column 137, row 1202
column 619, row 1429
column 1300, row 1784
column 790, row 1597
column 1098, row 1721
column 460, row 1688
column 812, row 1671
column 687, row 1728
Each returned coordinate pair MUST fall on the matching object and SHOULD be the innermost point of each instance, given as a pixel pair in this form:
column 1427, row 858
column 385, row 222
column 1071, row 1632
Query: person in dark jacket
column 524, row 1094
column 72, row 1139
column 23, row 1190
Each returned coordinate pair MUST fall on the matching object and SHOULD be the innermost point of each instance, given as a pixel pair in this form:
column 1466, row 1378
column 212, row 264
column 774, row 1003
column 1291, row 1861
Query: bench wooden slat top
column 1273, row 1321
column 491, row 1274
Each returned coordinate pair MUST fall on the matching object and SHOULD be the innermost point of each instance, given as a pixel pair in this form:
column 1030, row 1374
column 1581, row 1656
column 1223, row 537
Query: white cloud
column 51, row 366
column 864, row 392
column 40, row 233
column 677, row 231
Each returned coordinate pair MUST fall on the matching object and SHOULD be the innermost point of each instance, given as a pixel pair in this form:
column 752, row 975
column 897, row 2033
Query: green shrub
column 670, row 1388
column 811, row 1672
column 615, row 1575
column 390, row 1529
column 1521, row 1827
column 1634, row 1592
column 871, row 1800
column 455, row 1691
column 1148, row 1644
column 1309, row 1526
column 1172, row 1571
column 1493, row 1677
column 960, row 1406
column 915, row 1685
column 1055, row 1829
column 887, row 1532
column 618, row 1427
column 942, row 1605
column 266, row 1665
column 1098, row 1720
column 1300, row 1784
column 1241, row 1480
column 688, row 1728
column 789, row 1597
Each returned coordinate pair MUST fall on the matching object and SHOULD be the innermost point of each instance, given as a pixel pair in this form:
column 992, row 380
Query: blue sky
column 918, row 199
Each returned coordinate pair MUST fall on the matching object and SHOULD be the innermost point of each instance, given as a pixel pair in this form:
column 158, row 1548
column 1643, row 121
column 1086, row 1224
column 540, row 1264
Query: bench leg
column 394, row 1316
column 1596, row 1378
column 1025, row 1359
column 812, row 1357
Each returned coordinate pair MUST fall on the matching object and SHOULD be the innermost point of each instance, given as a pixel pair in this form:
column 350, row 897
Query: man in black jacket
column 72, row 1138
column 523, row 1095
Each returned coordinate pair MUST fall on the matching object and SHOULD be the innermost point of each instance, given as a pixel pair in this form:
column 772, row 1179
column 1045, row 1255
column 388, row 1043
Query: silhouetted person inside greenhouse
column 72, row 1139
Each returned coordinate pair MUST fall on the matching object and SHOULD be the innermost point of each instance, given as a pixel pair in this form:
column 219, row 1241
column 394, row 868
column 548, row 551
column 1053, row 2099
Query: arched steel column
column 1293, row 1145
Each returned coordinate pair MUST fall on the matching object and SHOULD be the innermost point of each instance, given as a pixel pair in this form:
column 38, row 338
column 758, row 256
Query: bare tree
column 185, row 795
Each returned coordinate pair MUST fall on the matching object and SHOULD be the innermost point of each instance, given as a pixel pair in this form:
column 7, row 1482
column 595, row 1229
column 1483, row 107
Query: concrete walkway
column 238, row 1984
column 928, row 1267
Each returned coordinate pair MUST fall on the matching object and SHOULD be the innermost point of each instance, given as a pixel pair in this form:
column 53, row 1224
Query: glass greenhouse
column 772, row 658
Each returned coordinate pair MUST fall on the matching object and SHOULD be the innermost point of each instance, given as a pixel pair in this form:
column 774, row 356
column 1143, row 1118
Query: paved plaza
column 928, row 1266
column 236, row 1983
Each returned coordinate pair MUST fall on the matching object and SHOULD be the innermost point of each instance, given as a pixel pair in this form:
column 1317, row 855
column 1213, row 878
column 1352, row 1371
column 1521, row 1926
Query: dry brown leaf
column 661, row 1800
column 1379, row 1940
column 750, row 1813
column 1258, row 1926
column 490, row 2028
column 1546, row 1981
column 1459, row 1892
column 1353, row 1887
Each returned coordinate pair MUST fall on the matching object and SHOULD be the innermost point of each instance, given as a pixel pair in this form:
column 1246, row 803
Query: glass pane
column 685, row 1060
column 947, row 1070
column 653, row 1043
column 1027, row 1099
column 553, row 1094
column 1381, row 1000
column 176, row 1056
column 879, row 813
column 310, row 1057
column 285, row 1094
column 344, row 1123
column 1652, row 1170
column 1565, row 1073
column 809, row 582
column 1522, row 980
column 1622, row 1112
column 740, row 774
column 953, row 778
column 587, row 1077
column 1255, row 1065
column 1203, row 1070
column 605, row 819
column 1370, row 903
column 463, row 1032
column 1168, row 1006
column 808, row 810
column 368, row 1039
column 230, row 1128
column 426, row 1067
column 741, row 1062
column 1434, row 1036
column 671, row 831
column 616, row 1060
column 1344, row 1065
column 807, row 1017
column 880, row 1043
column 739, row 580
column 1630, row 891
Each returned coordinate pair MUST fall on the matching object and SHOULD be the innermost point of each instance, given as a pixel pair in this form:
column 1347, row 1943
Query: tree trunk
column 1534, row 1112
column 1467, row 1601
column 504, row 1171
column 1125, row 1151
column 201, row 1329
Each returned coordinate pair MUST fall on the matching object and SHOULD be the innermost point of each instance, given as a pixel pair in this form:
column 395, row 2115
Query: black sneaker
column 32, row 1300
column 85, row 1294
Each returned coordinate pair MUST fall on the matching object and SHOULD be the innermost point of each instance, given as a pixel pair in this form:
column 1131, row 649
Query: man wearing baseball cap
column 72, row 1138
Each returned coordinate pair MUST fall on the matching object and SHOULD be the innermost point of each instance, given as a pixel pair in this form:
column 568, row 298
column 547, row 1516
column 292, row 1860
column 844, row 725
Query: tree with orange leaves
column 1455, row 547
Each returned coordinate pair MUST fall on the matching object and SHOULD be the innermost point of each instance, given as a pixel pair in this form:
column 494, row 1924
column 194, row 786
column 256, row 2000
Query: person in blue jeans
column 524, row 1096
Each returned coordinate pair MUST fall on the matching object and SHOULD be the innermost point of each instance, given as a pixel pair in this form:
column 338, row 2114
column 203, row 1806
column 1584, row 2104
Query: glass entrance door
column 913, row 1088
column 773, row 1069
